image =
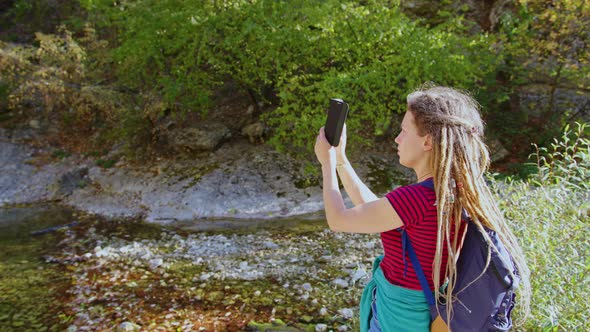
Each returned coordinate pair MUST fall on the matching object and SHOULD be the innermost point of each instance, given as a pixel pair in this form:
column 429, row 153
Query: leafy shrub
column 383, row 62
column 292, row 54
column 53, row 81
column 550, row 214
column 161, row 46
column 44, row 78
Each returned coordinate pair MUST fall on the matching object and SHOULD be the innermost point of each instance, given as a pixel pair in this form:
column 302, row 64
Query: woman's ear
column 428, row 143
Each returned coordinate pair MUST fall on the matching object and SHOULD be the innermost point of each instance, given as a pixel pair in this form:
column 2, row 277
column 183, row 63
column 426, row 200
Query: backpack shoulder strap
column 407, row 247
column 407, row 244
column 428, row 183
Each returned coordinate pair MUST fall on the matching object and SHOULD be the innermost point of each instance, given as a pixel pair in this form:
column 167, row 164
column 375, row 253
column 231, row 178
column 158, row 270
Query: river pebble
column 346, row 313
column 340, row 283
column 128, row 327
column 321, row 327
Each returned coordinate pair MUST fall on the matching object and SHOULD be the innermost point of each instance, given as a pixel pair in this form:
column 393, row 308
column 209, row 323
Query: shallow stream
column 29, row 287
column 209, row 275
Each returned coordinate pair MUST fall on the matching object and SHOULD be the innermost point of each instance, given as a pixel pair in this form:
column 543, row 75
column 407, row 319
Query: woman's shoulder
column 412, row 202
column 415, row 195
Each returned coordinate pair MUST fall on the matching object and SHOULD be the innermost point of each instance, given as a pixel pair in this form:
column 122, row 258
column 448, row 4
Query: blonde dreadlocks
column 459, row 160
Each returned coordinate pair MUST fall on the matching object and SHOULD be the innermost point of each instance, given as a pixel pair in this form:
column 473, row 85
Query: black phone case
column 335, row 121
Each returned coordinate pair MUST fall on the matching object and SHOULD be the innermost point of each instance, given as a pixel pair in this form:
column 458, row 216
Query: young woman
column 441, row 139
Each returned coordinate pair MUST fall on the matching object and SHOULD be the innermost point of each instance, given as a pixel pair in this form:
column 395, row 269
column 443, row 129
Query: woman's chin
column 402, row 163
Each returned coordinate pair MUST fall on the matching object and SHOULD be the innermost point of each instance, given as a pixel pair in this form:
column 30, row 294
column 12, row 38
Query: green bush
column 294, row 55
column 382, row 62
column 160, row 47
column 550, row 214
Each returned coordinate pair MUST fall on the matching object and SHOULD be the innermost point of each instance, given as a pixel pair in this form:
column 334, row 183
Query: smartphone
column 335, row 121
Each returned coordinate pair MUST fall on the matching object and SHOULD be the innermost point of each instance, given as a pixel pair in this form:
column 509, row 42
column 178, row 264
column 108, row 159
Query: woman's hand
column 325, row 152
column 341, row 148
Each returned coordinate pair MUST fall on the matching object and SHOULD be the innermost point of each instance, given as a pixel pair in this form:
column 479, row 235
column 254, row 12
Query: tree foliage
column 290, row 57
column 548, row 43
column 291, row 54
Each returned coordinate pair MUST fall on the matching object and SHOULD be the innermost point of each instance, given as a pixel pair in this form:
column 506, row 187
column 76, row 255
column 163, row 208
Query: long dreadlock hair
column 459, row 161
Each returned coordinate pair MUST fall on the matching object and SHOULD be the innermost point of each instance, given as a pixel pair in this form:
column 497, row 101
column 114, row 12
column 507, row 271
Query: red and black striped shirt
column 415, row 205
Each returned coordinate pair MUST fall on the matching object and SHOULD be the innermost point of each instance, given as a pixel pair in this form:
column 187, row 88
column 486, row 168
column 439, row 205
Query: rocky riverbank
column 244, row 246
column 303, row 279
column 238, row 180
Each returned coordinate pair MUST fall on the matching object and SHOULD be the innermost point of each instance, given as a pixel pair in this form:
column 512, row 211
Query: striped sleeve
column 409, row 203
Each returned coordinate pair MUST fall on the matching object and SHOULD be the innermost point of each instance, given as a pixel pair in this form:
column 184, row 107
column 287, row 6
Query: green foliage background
column 290, row 57
column 294, row 55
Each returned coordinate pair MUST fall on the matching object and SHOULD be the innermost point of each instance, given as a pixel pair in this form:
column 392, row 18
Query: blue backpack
column 482, row 300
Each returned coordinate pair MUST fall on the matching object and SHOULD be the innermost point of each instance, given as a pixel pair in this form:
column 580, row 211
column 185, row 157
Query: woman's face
column 412, row 148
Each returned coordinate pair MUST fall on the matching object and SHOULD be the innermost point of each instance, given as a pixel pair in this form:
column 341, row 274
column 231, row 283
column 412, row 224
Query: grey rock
column 72, row 180
column 199, row 139
column 358, row 274
column 340, row 283
column 128, row 327
column 325, row 258
column 236, row 181
column 34, row 124
column 242, row 188
column 250, row 110
column 23, row 182
column 535, row 100
column 244, row 266
column 254, row 132
column 155, row 263
column 321, row 327
column 270, row 245
column 346, row 313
